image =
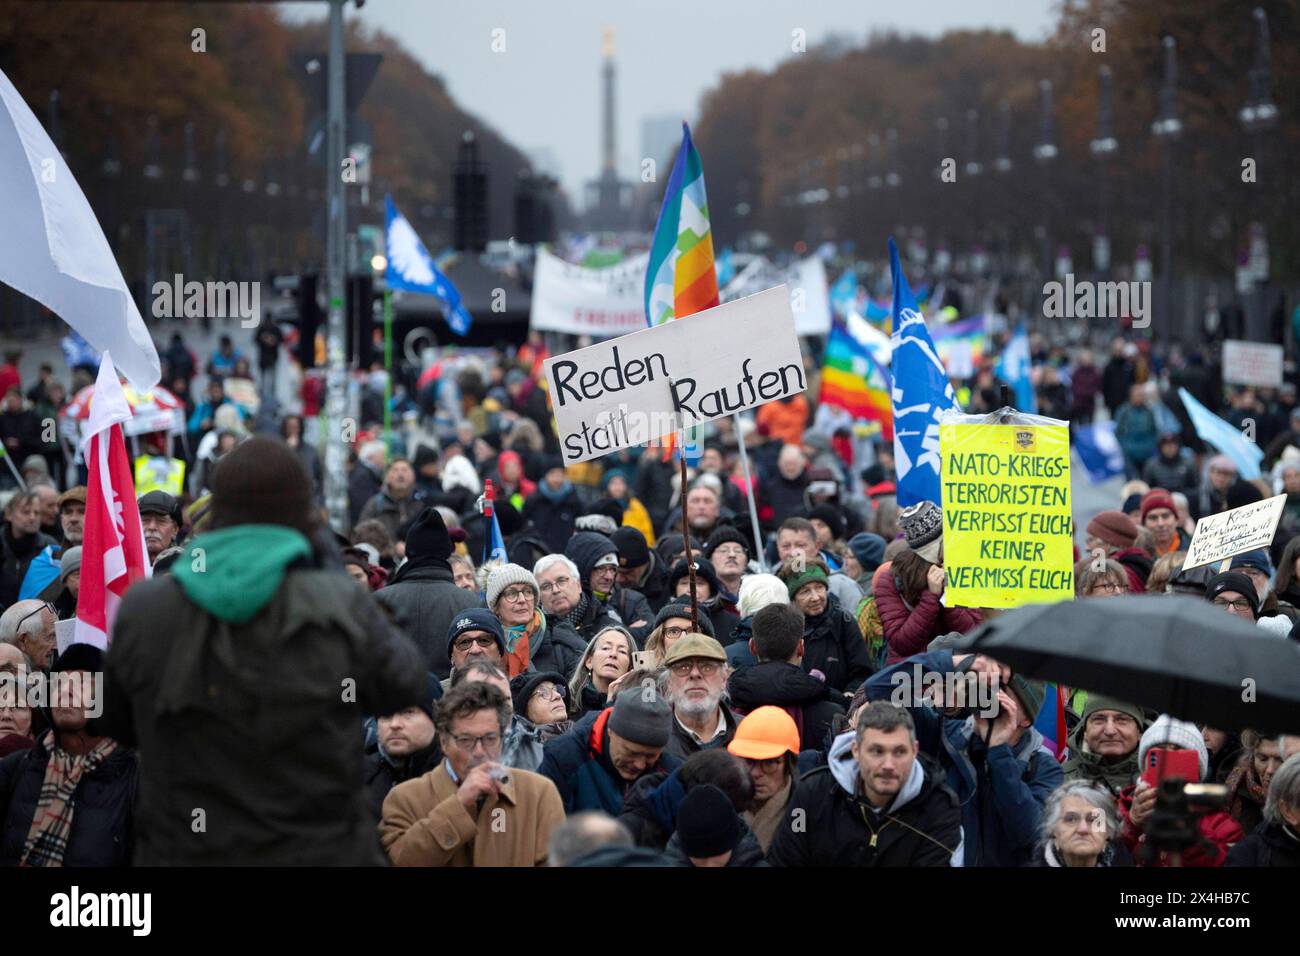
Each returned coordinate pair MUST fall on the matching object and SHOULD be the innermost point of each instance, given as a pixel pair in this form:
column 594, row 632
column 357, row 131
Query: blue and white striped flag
column 1099, row 451
column 411, row 269
column 1213, row 430
column 921, row 394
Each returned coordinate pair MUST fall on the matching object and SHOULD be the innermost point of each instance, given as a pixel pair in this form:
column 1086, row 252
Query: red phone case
column 1167, row 764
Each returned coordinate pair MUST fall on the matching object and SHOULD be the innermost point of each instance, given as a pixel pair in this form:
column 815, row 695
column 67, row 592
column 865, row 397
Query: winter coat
column 747, row 851
column 655, row 584
column 1116, row 380
column 1217, row 832
column 16, row 556
column 1085, row 385
column 579, row 766
column 250, row 703
column 424, row 824
column 653, row 486
column 103, row 807
column 595, row 618
column 632, row 606
column 1172, row 474
column 557, row 648
column 785, row 420
column 650, row 808
column 681, row 744
column 1136, row 431
column 553, row 519
column 1272, row 844
column 425, row 601
column 382, row 774
column 921, row 826
column 1110, row 775
column 1002, row 789
column 833, row 645
column 909, row 631
column 1136, row 563
column 781, row 498
column 785, row 685
column 393, row 513
column 1115, row 854
column 364, row 482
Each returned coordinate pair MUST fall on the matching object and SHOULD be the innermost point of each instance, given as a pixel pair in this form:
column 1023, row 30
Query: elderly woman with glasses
column 1100, row 578
column 608, row 657
column 1080, row 828
column 532, row 642
column 671, row 623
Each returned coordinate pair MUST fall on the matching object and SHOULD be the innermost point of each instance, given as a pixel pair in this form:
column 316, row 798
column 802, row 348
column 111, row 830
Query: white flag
column 53, row 249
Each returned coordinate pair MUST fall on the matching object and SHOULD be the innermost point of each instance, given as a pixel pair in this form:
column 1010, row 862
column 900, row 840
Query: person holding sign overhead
column 907, row 598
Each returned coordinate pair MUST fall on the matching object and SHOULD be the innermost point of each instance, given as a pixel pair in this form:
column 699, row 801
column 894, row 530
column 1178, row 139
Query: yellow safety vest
column 155, row 473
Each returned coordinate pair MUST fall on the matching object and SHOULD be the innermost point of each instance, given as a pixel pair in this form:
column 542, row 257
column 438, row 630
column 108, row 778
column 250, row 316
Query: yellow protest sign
column 1007, row 530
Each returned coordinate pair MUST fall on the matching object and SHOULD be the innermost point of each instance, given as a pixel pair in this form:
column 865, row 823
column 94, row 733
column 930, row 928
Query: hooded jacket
column 425, row 600
column 103, row 807
column 578, row 764
column 921, row 826
column 1002, row 789
column 243, row 686
column 782, row 684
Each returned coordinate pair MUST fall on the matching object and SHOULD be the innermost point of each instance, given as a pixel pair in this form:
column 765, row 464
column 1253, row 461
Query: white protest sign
column 1234, row 532
column 723, row 360
column 809, row 295
column 581, row 301
column 65, row 634
column 1252, row 363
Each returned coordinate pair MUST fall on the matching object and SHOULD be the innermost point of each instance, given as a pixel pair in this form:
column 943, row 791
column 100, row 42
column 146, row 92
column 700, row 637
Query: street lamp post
column 336, row 499
column 1167, row 128
column 1257, row 117
column 1103, row 148
column 1044, row 153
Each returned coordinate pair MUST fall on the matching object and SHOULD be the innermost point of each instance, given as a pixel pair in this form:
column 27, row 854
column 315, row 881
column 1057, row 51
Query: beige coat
column 424, row 824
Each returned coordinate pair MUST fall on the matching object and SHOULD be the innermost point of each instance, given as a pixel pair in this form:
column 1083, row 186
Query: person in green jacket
column 1104, row 747
column 243, row 677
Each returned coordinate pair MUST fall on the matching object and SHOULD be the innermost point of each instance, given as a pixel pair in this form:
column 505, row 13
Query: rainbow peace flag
column 854, row 381
column 962, row 342
column 680, row 277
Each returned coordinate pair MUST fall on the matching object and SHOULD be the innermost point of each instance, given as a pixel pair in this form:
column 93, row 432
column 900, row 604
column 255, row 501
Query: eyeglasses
column 45, row 606
column 1093, row 817
column 771, row 765
column 483, row 640
column 1239, row 605
column 730, row 551
column 675, row 631
column 683, row 668
column 550, row 692
column 556, row 585
column 517, row 594
column 469, row 743
column 1110, row 587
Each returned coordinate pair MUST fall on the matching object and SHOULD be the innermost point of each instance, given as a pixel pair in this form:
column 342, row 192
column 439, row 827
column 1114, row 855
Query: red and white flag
column 113, row 555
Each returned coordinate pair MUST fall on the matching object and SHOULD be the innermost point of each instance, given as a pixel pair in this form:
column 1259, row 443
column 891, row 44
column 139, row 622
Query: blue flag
column 1013, row 369
column 494, row 546
column 1213, row 430
column 844, row 293
column 1099, row 451
column 921, row 394
column 411, row 269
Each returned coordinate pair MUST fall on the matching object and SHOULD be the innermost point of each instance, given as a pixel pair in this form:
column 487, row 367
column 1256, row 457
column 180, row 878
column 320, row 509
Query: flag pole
column 13, row 468
column 388, row 372
column 686, row 529
column 749, row 495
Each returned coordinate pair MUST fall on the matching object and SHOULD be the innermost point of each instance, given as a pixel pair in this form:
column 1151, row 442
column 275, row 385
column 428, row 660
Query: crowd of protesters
column 639, row 681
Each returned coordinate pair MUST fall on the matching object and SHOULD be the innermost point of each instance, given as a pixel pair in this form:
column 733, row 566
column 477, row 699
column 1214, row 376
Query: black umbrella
column 1176, row 655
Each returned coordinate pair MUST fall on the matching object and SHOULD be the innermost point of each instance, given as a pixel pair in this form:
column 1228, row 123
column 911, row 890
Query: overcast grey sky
column 543, row 91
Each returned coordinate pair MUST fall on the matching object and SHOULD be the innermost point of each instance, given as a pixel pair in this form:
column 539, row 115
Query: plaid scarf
column 1244, row 786
column 576, row 612
column 47, row 840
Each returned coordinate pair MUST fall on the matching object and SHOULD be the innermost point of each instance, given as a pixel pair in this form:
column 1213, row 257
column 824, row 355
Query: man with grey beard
column 697, row 677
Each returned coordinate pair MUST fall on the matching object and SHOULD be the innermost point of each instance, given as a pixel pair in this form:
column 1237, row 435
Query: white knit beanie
column 506, row 575
column 1169, row 730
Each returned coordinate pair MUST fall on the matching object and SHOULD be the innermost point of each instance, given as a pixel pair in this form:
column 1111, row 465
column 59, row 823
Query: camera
column 1172, row 825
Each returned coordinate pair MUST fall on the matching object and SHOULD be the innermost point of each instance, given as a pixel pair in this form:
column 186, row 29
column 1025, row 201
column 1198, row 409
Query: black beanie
column 681, row 607
column 703, row 569
column 726, row 533
column 424, row 455
column 1233, row 581
column 427, row 536
column 608, row 507
column 524, row 685
column 632, row 549
column 833, row 517
column 707, row 824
